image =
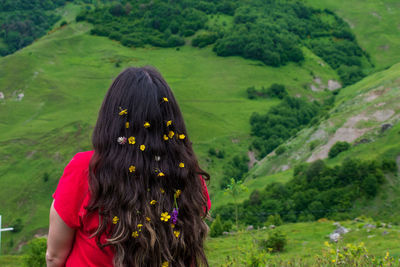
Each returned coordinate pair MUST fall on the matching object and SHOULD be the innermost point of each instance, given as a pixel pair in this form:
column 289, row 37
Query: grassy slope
column 305, row 241
column 64, row 77
column 375, row 23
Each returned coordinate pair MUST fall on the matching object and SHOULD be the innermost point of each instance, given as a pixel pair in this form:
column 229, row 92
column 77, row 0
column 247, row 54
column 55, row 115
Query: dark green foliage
column 274, row 220
column 216, row 228
column 280, row 123
column 212, row 151
column 280, row 150
column 315, row 191
column 63, row 23
column 24, row 21
column 46, row 177
column 389, row 165
column 337, row 148
column 17, row 225
column 275, row 242
column 275, row 90
column 36, row 256
column 269, row 31
column 236, row 168
column 204, row 39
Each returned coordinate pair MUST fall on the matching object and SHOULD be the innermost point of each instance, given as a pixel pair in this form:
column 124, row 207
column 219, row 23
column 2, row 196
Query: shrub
column 36, row 256
column 337, row 148
column 17, row 225
column 275, row 242
column 216, row 228
column 212, row 151
column 204, row 39
column 274, row 220
column 63, row 23
column 280, row 150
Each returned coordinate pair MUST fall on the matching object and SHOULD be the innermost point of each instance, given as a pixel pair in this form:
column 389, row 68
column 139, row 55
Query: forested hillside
column 272, row 32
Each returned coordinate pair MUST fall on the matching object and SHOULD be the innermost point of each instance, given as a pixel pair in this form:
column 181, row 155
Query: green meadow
column 64, row 76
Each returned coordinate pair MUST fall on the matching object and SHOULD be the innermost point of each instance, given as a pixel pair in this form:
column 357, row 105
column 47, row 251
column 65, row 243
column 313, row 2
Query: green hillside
column 375, row 23
column 64, row 77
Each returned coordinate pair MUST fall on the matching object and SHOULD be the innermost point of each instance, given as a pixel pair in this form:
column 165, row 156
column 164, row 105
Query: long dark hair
column 132, row 185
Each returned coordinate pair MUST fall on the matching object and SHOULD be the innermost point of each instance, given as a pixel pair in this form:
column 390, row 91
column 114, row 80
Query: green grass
column 64, row 77
column 375, row 23
column 305, row 241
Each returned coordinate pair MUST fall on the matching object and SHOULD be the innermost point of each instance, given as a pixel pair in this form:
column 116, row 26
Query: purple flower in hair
column 174, row 217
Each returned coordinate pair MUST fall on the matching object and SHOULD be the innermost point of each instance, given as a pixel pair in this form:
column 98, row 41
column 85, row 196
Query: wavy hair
column 122, row 195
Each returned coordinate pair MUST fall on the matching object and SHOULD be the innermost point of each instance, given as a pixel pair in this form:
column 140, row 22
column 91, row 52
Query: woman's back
column 142, row 182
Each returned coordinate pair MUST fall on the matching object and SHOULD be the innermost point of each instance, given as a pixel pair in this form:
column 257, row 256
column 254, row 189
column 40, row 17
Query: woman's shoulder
column 81, row 159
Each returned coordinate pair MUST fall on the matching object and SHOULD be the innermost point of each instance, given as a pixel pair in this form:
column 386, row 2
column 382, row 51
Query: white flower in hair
column 157, row 158
column 121, row 140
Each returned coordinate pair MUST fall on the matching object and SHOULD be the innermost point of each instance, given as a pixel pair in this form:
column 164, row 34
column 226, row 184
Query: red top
column 71, row 196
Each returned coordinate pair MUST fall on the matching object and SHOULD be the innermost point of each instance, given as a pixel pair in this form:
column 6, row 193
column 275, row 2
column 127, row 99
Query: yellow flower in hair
column 165, row 216
column 160, row 174
column 123, row 112
column 181, row 165
column 148, row 219
column 140, row 227
column 182, row 136
column 153, row 202
column 115, row 220
column 172, row 225
column 178, row 193
column 177, row 233
column 169, row 123
column 162, row 190
column 146, row 125
column 165, row 137
column 165, row 264
column 171, row 134
column 126, row 125
column 132, row 140
column 135, row 234
column 132, row 168
column 165, row 99
column 142, row 147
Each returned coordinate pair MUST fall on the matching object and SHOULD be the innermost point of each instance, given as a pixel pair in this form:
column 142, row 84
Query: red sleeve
column 72, row 190
column 205, row 192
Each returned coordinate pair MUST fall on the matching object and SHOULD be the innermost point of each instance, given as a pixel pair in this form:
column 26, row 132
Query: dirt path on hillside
column 252, row 159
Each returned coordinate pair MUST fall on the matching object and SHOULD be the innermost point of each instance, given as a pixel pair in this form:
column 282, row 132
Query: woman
column 139, row 198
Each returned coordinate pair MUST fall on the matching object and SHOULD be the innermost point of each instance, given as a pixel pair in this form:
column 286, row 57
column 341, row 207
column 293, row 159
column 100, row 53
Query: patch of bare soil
column 252, row 159
column 383, row 115
column 348, row 132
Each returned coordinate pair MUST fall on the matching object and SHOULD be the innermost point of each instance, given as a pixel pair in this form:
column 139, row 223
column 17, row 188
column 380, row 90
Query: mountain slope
column 54, row 87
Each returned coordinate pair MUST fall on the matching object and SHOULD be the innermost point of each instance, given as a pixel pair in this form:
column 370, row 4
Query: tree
column 234, row 189
column 216, row 228
column 337, row 148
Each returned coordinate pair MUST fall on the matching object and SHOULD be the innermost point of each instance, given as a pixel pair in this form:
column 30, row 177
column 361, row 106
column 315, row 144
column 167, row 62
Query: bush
column 63, row 23
column 36, row 256
column 275, row 242
column 212, row 151
column 216, row 228
column 204, row 39
column 280, row 150
column 337, row 148
column 17, row 225
column 274, row 220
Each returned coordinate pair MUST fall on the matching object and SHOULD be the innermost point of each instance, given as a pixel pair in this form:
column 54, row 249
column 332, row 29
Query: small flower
column 169, row 123
column 165, row 99
column 165, row 216
column 132, row 140
column 177, row 233
column 178, row 193
column 142, row 147
column 153, row 202
column 135, row 234
column 162, row 190
column 181, row 165
column 115, row 220
column 132, row 168
column 140, row 227
column 171, row 134
column 165, row 264
column 160, row 174
column 126, row 125
column 148, row 219
column 146, row 125
column 174, row 215
column 121, row 140
column 172, row 225
column 165, row 137
column 182, row 136
column 157, row 158
column 123, row 112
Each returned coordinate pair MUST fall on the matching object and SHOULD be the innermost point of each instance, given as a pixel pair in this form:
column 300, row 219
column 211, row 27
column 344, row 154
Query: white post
column 3, row 230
